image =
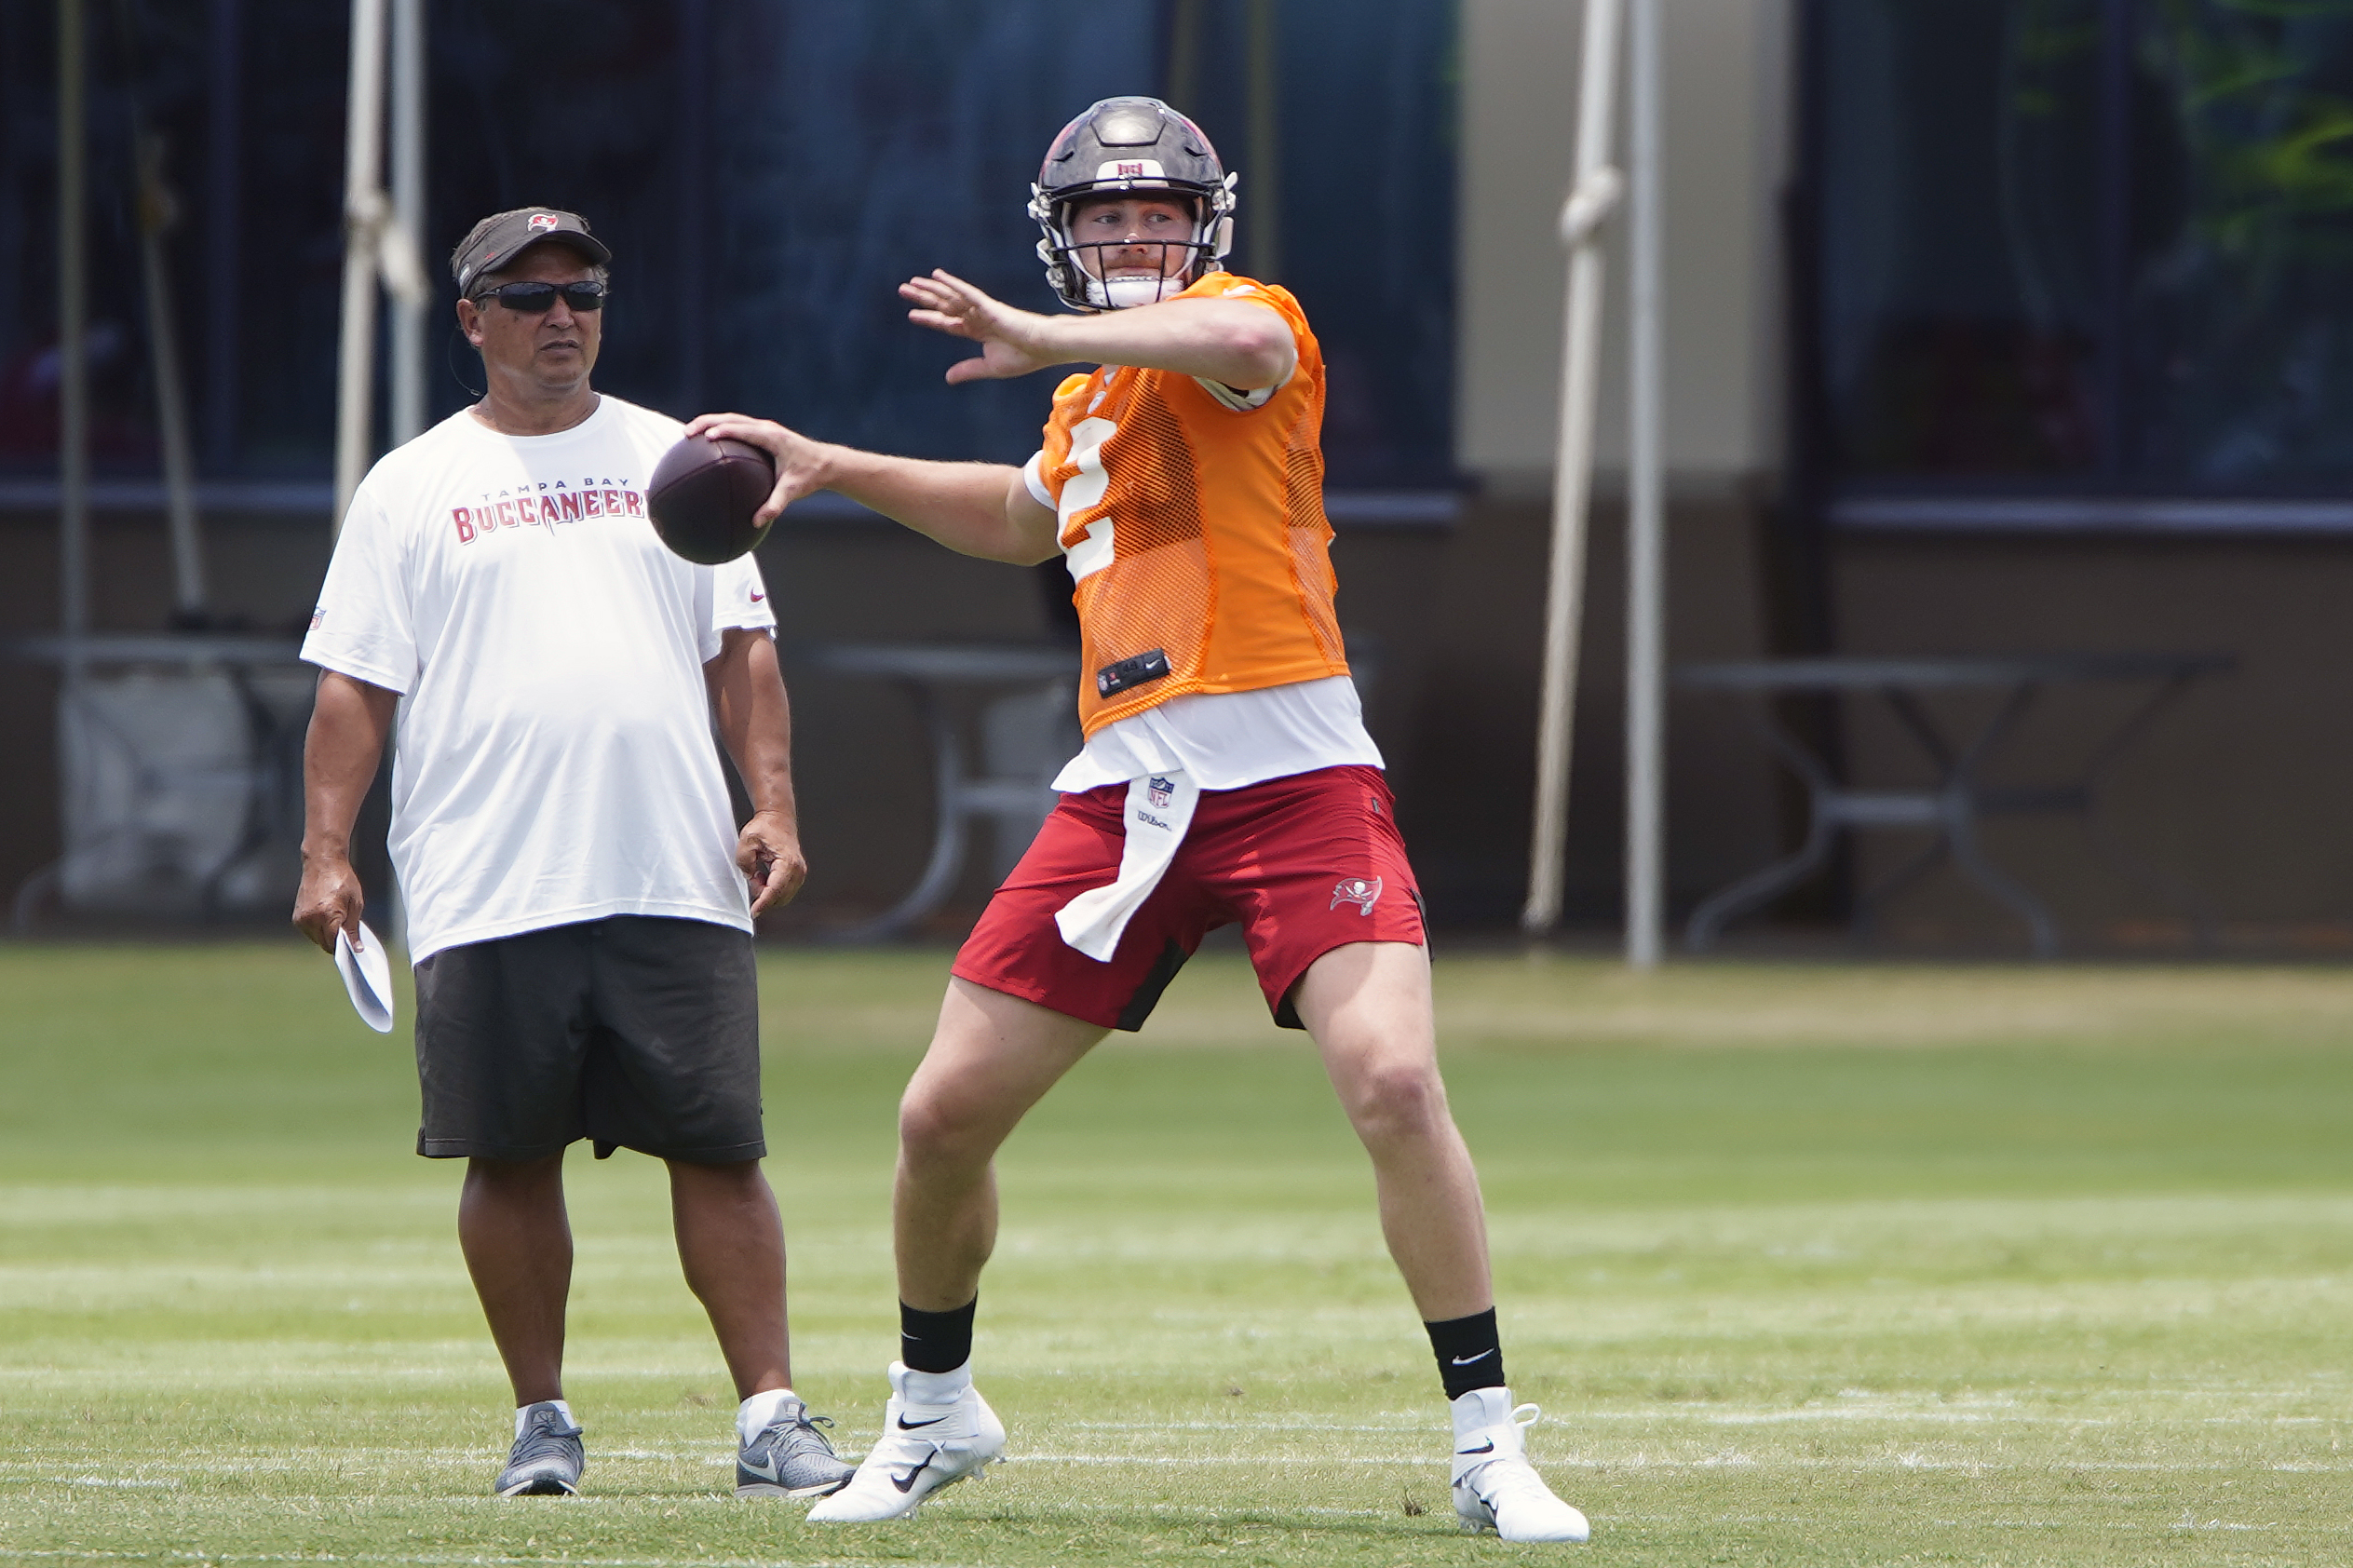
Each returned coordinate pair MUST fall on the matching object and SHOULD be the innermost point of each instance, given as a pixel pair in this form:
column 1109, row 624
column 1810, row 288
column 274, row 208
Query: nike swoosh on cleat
column 1466, row 1361
column 1487, row 1447
column 907, row 1426
column 907, row 1481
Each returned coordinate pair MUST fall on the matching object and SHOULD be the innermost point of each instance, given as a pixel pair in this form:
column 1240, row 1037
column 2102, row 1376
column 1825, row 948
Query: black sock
column 1469, row 1352
column 937, row 1342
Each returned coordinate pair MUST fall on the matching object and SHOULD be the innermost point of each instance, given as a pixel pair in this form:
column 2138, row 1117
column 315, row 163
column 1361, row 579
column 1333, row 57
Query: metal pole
column 222, row 209
column 1592, row 194
column 157, row 212
column 1645, row 520
column 1262, row 224
column 73, row 339
column 363, row 219
column 407, row 206
column 1184, row 55
column 697, row 67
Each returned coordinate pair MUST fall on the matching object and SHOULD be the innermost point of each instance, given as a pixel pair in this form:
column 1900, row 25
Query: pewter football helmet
column 1119, row 146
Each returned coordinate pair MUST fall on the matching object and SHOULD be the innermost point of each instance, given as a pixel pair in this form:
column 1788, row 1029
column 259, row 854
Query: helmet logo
column 543, row 220
column 1132, row 168
column 1132, row 171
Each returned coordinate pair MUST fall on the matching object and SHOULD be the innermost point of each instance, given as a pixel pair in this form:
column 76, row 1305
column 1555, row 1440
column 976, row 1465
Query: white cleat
column 1495, row 1488
column 923, row 1448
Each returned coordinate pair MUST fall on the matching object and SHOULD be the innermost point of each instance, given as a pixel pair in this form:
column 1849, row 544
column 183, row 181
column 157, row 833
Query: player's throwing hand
column 1012, row 339
column 801, row 463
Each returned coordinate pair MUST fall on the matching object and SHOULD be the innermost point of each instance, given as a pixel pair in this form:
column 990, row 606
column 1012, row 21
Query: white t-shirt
column 554, row 760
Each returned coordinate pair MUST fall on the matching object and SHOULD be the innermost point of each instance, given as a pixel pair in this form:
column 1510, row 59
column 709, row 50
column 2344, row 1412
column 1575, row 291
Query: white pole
column 73, row 340
column 363, row 217
column 1645, row 520
column 1592, row 192
column 407, row 206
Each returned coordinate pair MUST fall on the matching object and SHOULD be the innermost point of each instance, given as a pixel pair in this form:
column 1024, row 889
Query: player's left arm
column 1229, row 341
column 756, row 722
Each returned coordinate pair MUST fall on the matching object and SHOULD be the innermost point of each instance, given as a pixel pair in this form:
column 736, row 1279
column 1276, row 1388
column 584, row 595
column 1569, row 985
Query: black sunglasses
column 538, row 298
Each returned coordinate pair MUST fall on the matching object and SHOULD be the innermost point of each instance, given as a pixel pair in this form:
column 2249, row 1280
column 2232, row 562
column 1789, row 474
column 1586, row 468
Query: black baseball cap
column 499, row 239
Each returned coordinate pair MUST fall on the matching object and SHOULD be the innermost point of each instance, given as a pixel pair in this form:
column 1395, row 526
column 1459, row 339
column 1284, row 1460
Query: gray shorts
column 636, row 1031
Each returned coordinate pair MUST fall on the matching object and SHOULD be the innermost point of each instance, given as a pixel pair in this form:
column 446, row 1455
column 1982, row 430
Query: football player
column 1226, row 774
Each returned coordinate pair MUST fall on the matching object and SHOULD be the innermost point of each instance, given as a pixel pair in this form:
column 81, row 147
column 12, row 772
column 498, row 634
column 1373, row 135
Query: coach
column 575, row 887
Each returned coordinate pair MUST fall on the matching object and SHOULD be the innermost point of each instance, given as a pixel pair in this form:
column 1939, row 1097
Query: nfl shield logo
column 1159, row 790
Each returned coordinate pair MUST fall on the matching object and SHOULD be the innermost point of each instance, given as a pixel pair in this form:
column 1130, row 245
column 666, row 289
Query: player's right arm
column 982, row 510
column 348, row 725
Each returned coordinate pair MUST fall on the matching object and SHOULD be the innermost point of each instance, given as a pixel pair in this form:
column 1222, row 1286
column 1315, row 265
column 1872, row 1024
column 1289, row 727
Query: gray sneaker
column 789, row 1457
column 546, row 1459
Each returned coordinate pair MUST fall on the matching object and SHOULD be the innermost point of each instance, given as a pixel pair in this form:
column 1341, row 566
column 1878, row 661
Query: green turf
column 1808, row 1265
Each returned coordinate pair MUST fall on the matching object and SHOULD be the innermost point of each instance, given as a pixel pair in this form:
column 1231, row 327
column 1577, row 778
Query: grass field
column 1806, row 1265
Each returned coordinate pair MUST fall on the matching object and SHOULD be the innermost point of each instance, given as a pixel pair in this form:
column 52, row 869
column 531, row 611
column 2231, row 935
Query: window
column 765, row 171
column 2080, row 262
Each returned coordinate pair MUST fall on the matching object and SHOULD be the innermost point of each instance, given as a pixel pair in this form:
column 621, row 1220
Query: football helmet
column 1119, row 146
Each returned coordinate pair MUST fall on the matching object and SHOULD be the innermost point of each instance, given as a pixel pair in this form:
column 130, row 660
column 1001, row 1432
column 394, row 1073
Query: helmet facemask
column 1082, row 273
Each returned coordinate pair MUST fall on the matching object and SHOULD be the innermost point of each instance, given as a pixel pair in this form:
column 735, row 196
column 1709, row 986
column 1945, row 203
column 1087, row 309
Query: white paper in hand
column 368, row 976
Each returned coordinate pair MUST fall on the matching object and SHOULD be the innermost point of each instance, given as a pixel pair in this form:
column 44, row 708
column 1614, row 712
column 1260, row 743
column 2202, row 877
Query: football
column 703, row 494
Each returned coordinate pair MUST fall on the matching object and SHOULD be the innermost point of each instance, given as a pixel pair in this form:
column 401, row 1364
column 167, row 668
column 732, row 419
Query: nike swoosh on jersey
column 907, row 1481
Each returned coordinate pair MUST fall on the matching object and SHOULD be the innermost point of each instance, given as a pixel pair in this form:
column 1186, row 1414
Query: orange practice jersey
column 1195, row 529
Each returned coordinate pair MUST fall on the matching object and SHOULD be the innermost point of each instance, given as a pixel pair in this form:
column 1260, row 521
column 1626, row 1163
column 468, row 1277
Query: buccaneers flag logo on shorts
column 1363, row 892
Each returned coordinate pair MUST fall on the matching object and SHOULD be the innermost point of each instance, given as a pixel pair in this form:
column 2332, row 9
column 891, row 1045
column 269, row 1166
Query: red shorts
column 1305, row 863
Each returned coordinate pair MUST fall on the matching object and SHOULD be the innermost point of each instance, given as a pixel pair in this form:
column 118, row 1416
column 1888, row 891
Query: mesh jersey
column 1193, row 523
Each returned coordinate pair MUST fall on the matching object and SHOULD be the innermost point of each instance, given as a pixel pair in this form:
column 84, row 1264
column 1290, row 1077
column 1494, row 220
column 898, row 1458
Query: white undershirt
column 1227, row 739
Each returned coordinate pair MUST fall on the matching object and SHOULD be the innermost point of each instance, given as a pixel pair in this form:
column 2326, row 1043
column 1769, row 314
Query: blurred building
column 1994, row 325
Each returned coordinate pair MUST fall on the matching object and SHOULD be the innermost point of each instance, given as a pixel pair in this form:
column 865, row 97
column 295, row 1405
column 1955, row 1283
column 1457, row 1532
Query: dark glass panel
column 766, row 171
column 2242, row 288
column 1959, row 245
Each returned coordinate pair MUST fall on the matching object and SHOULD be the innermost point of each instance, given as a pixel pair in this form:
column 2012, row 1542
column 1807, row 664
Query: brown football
column 703, row 494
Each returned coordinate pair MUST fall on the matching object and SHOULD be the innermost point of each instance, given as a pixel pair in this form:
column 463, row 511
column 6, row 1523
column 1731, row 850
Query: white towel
column 1159, row 809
